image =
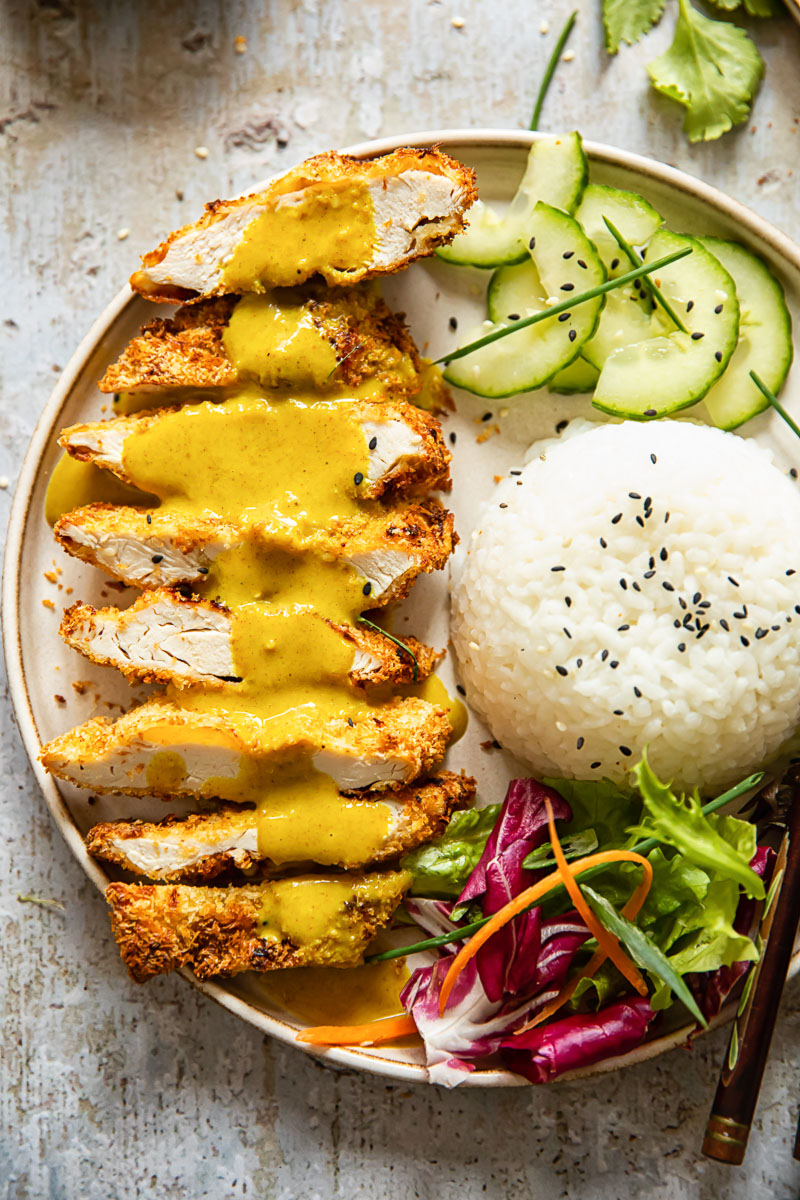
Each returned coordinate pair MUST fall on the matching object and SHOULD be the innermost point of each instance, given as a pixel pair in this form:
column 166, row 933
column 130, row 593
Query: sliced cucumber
column 627, row 316
column 579, row 376
column 563, row 260
column 670, row 371
column 556, row 173
column 765, row 338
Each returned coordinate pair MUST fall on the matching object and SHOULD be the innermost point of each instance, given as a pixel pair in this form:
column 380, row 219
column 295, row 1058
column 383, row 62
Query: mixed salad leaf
column 525, row 997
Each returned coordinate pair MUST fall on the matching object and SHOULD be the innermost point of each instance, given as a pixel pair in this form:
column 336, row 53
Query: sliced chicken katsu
column 333, row 216
column 405, row 449
column 281, row 340
column 311, row 920
column 197, row 848
column 154, row 549
column 159, row 749
column 169, row 637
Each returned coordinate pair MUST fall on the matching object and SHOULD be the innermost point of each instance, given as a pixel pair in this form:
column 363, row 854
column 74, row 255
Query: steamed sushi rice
column 637, row 585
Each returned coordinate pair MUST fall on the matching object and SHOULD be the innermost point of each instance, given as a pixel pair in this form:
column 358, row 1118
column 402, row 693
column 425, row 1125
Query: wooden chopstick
column 740, row 1080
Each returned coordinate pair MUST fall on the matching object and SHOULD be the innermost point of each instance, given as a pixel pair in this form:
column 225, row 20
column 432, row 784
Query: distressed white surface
column 108, row 1090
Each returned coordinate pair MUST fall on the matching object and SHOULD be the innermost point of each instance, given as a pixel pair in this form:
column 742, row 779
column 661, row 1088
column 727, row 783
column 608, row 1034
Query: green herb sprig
column 768, row 394
column 643, row 847
column 549, row 70
column 402, row 646
column 566, row 305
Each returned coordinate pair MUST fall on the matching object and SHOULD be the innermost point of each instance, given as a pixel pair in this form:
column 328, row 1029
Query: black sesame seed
column 513, row 316
column 733, row 581
column 358, row 478
column 568, row 601
column 793, row 472
column 634, row 495
column 579, row 743
column 648, row 575
column 453, row 440
column 791, row 571
column 697, row 336
column 653, row 459
column 666, row 517
column 502, row 506
column 572, row 335
column 157, row 558
column 725, row 625
column 564, row 316
column 604, row 656
column 350, row 722
column 697, row 597
column 373, row 442
column 690, row 306
column 677, row 623
column 774, row 628
column 515, row 472
column 604, row 543
column 595, row 765
column 718, row 355
column 616, row 520
column 667, row 586
column 797, row 608
column 613, row 664
column 558, row 568
column 568, row 287
column 652, row 562
column 568, row 254
column 623, row 628
column 687, row 621
column 623, row 584
column 704, row 604
column 761, row 633
column 461, row 691
column 618, row 712
column 682, row 603
column 532, row 244
column 740, row 616
column 614, row 264
column 487, row 416
column 640, row 521
column 663, row 554
column 649, row 412
column 367, row 588
column 681, row 646
column 561, row 426
column 453, row 324
column 579, row 662
column 744, row 641
column 626, row 751
column 637, row 693
column 635, row 586
column 581, row 263
column 561, row 670
column 718, row 309
column 203, row 570
column 149, row 519
column 567, row 632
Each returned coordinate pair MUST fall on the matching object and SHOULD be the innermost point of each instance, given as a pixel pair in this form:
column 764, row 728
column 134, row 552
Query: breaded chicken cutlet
column 333, row 216
column 197, row 848
column 304, row 921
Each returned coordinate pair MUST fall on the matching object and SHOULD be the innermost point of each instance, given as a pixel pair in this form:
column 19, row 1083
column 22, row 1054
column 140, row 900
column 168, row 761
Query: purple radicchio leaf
column 507, row 963
column 434, row 916
column 549, row 1050
column 711, row 989
column 474, row 1025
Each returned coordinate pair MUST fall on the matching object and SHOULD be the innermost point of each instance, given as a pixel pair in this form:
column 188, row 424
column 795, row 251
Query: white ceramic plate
column 41, row 667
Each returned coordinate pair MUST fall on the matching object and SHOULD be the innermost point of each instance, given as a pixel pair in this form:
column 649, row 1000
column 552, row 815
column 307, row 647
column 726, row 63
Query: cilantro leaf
column 626, row 20
column 712, row 69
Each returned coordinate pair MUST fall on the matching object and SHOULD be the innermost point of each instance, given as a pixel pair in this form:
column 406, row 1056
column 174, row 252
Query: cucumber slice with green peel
column 628, row 314
column 765, row 338
column 664, row 373
column 556, row 173
column 633, row 216
column 563, row 261
column 579, row 376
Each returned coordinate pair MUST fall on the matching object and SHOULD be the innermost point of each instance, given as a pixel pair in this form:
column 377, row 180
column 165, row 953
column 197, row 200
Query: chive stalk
column 644, row 847
column 549, row 70
column 406, row 649
column 566, row 305
column 774, row 401
column 650, row 284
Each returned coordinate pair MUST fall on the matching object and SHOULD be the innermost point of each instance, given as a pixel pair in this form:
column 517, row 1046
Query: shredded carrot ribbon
column 359, row 1035
column 529, row 897
column 630, row 911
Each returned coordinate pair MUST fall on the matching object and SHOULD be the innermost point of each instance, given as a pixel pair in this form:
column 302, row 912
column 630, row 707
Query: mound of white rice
column 637, row 585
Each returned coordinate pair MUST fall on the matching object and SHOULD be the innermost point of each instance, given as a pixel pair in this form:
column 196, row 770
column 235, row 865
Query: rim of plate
column 355, row 1058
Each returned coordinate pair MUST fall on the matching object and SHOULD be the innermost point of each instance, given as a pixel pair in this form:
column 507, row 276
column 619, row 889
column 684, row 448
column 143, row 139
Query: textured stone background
column 108, row 1091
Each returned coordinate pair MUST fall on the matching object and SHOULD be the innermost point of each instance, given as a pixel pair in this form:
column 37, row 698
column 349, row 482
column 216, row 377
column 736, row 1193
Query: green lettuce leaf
column 626, row 20
column 598, row 990
column 703, row 938
column 712, row 69
column 643, row 950
column 722, row 846
column 599, row 805
column 441, row 868
column 574, row 845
